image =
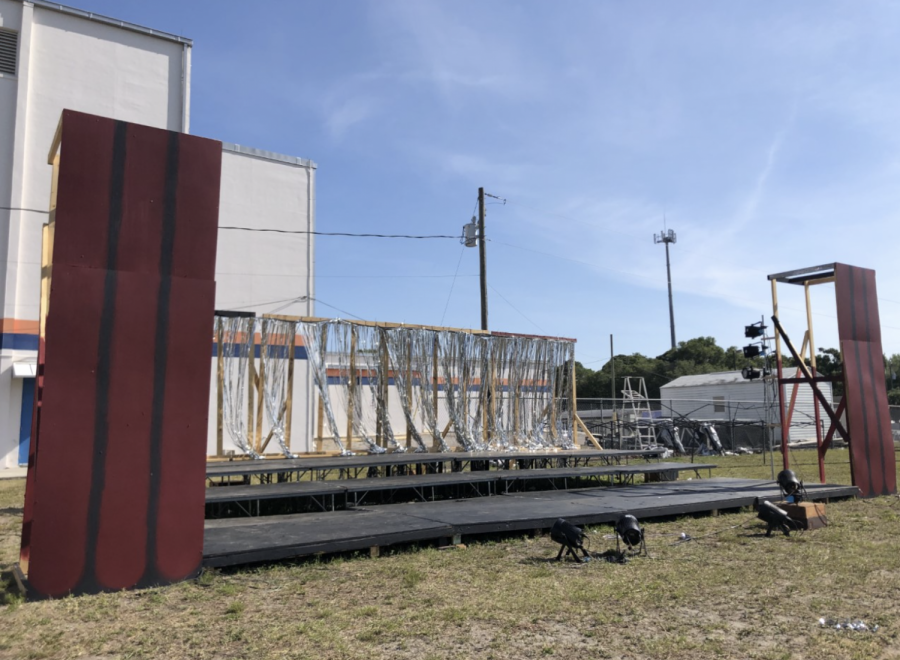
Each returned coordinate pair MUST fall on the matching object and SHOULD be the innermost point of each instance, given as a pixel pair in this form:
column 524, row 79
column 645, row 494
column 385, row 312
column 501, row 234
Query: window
column 719, row 403
column 9, row 40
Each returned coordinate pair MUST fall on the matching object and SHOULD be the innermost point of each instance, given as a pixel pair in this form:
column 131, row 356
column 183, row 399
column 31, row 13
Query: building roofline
column 115, row 22
column 262, row 154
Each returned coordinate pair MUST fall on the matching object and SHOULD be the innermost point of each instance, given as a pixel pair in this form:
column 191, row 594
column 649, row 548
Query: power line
column 19, row 208
column 517, row 309
column 342, row 311
column 452, row 284
column 337, row 233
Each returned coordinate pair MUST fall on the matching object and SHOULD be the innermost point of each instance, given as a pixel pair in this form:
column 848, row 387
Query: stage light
column 791, row 487
column 774, row 518
column 752, row 351
column 749, row 373
column 631, row 533
column 755, row 330
column 569, row 537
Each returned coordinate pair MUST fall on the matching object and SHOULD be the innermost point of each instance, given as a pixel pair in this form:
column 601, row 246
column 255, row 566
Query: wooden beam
column 220, row 390
column 261, row 387
column 320, row 413
column 289, row 396
column 251, row 380
column 271, row 432
column 376, row 324
column 351, row 388
column 436, row 444
column 409, row 374
column 573, row 407
column 587, row 432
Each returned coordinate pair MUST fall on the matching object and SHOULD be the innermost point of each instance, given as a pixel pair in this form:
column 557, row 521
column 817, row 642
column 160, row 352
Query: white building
column 726, row 396
column 54, row 57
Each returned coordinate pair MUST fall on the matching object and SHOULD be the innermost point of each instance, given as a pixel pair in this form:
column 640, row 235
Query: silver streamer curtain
column 399, row 388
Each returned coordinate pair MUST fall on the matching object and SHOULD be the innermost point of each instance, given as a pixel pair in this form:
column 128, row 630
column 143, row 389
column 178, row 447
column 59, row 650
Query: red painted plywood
column 868, row 419
column 119, row 468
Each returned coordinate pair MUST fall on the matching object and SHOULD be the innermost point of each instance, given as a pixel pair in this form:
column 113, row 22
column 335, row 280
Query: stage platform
column 332, row 494
column 323, row 467
column 245, row 540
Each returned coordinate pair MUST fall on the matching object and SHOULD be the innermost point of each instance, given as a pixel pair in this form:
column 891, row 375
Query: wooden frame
column 256, row 391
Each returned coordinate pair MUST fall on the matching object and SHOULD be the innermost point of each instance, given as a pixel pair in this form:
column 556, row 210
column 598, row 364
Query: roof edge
column 262, row 154
column 115, row 22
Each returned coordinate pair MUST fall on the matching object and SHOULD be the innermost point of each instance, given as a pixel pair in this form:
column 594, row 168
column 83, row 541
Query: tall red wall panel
column 115, row 496
column 871, row 444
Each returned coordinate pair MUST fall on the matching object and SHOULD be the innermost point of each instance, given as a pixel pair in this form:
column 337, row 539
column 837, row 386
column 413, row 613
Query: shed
column 728, row 396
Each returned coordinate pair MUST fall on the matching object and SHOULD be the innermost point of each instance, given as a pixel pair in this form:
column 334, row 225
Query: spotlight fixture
column 792, row 489
column 752, row 351
column 774, row 518
column 749, row 373
column 570, row 539
column 631, row 534
column 754, row 330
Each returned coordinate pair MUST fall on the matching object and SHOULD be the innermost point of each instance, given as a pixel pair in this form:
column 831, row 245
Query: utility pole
column 668, row 236
column 482, row 261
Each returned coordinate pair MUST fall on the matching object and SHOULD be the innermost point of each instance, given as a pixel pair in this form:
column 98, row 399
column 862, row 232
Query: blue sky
column 766, row 134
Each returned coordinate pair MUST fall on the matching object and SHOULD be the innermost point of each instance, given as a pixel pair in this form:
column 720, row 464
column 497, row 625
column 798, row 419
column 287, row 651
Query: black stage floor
column 244, row 540
column 320, row 464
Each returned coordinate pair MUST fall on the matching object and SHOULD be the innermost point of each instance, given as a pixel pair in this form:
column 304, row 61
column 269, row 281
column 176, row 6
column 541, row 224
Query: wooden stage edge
column 235, row 541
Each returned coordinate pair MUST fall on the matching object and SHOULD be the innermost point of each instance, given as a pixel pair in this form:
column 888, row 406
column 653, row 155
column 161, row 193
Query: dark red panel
column 868, row 418
column 63, row 462
column 195, row 253
column 119, row 468
column 122, row 535
column 82, row 202
column 182, row 493
column 859, row 328
column 857, row 303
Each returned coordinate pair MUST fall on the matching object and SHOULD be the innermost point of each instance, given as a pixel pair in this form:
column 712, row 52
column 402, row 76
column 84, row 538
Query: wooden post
column 785, row 431
column 409, row 374
column 552, row 407
column 573, row 408
column 289, row 395
column 320, row 413
column 812, row 364
column 385, row 386
column 435, row 387
column 220, row 389
column 261, row 386
column 251, row 380
column 516, row 424
column 351, row 388
column 379, row 426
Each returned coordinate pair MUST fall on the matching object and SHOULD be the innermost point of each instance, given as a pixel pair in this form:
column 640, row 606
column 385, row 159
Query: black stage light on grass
column 791, row 487
column 631, row 534
column 774, row 518
column 569, row 537
column 752, row 351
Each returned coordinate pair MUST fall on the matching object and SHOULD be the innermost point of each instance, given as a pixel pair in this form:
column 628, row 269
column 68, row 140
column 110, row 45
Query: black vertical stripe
column 877, row 403
column 88, row 581
column 862, row 444
column 161, row 352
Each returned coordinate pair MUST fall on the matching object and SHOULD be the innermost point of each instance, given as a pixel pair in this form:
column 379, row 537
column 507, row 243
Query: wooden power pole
column 482, row 261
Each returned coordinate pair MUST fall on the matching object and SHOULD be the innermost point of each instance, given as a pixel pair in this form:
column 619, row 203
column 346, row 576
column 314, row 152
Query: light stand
column 570, row 539
column 632, row 535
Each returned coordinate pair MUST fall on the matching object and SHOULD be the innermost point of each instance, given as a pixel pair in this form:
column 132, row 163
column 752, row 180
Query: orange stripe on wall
column 20, row 327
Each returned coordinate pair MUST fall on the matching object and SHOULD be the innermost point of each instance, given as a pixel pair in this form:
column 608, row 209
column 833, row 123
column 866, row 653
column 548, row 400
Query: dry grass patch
column 733, row 593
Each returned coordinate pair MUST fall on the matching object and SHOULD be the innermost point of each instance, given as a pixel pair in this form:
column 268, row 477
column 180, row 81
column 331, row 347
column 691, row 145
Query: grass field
column 729, row 593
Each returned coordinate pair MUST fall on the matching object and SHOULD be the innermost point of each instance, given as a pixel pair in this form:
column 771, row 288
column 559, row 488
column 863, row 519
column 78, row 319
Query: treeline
column 695, row 356
column 703, row 356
